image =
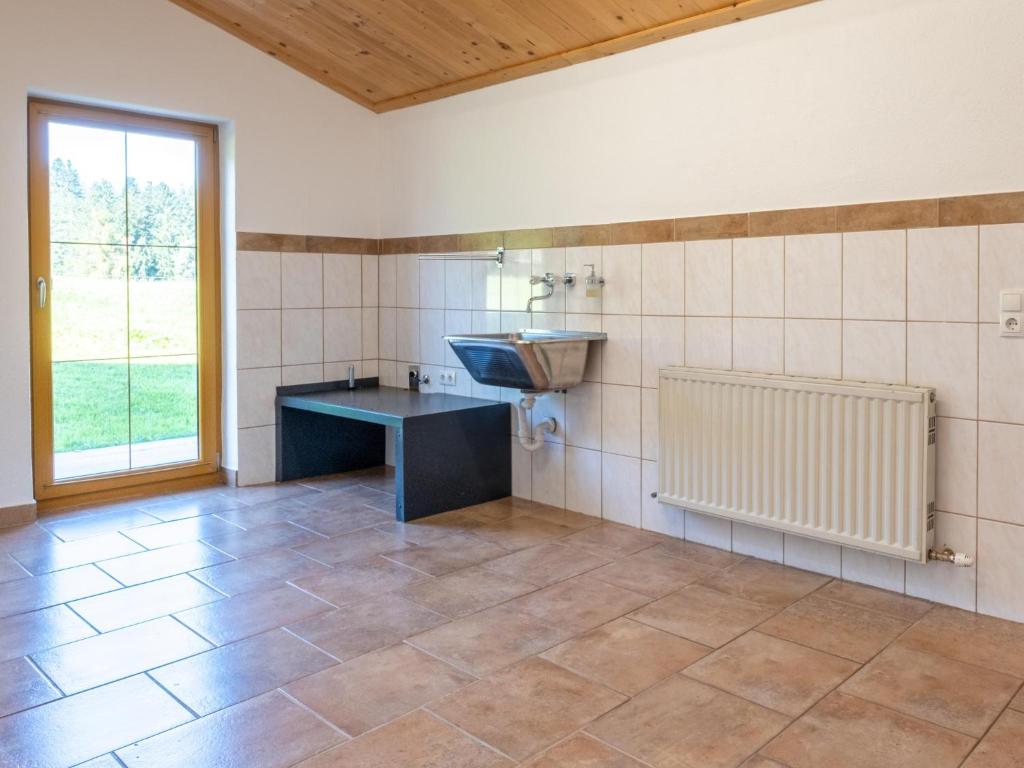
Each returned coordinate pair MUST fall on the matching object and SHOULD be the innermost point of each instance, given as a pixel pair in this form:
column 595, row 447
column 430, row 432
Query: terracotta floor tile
column 418, row 740
column 499, row 509
column 526, row 708
column 232, row 673
column 27, row 633
column 774, row 673
column 358, row 545
column 161, row 563
column 489, row 640
column 943, row 691
column 270, row 731
column 459, row 522
column 377, row 687
column 765, row 583
column 354, row 582
column 837, row 628
column 682, row 722
column 335, row 523
column 415, row 532
column 546, row 563
column 626, row 655
column 75, row 526
column 104, row 761
column 122, row 653
column 133, row 605
column 580, row 603
column 703, row 615
column 652, row 573
column 250, row 517
column 10, row 569
column 759, row 761
column 1018, row 702
column 274, row 536
column 180, row 531
column 900, row 606
column 251, row 613
column 349, row 498
column 1003, row 746
column 581, row 751
column 71, row 730
column 847, row 732
column 26, row 595
column 259, row 572
column 25, row 537
column 23, row 686
column 260, row 494
column 971, row 638
column 185, row 507
column 54, row 557
column 357, row 629
column 331, row 482
column 701, row 553
column 447, row 555
column 562, row 516
column 467, row 591
column 521, row 532
column 611, row 540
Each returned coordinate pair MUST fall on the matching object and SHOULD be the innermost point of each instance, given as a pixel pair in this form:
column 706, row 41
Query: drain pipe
column 947, row 555
column 536, row 441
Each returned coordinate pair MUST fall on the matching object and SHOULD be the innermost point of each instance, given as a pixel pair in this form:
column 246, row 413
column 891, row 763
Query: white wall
column 840, row 101
column 304, row 158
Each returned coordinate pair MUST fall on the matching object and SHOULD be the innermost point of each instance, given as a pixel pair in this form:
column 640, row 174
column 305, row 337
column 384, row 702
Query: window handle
column 41, row 285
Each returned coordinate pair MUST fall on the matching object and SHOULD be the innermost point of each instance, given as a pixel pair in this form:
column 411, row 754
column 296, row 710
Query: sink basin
column 533, row 361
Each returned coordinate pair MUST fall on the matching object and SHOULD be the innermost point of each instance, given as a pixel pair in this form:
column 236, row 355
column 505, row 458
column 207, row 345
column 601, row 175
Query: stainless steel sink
column 533, row 361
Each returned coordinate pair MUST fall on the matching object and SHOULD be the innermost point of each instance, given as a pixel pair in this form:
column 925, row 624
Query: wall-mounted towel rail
column 498, row 257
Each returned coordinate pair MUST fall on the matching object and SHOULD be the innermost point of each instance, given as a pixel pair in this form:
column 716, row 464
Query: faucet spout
column 548, row 279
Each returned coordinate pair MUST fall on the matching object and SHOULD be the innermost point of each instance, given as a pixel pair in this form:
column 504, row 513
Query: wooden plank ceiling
column 388, row 54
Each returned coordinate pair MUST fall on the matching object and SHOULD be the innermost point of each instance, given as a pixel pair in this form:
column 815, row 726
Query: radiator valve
column 947, row 555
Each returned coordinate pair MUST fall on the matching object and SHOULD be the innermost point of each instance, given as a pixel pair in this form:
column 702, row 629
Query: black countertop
column 381, row 405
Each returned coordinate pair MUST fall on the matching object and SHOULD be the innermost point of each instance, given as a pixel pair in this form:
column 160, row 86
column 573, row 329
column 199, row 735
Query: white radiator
column 840, row 461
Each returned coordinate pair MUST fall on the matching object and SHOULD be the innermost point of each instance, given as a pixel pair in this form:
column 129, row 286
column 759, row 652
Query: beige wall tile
column 1001, row 266
column 708, row 280
column 371, row 280
column 811, row 555
column 667, row 519
column 387, row 337
column 458, row 283
column 583, row 416
column 621, row 293
column 875, row 351
column 515, row 281
column 956, row 466
column 456, row 321
column 432, row 336
column 620, row 419
column 370, row 331
column 620, row 489
column 343, row 280
column 257, row 388
column 258, row 280
column 408, row 332
column 814, row 276
column 302, row 336
column 761, row 543
column 707, row 529
column 662, row 279
column 259, row 338
column 407, row 285
column 551, row 260
column 758, row 277
column 1001, row 570
column 343, row 334
column 709, row 342
column 256, row 455
column 945, row 356
column 485, row 277
column 312, row 373
column 302, row 280
column 621, row 352
column 338, row 370
column 942, row 274
column 1001, row 361
column 938, row 581
column 522, row 472
column 432, row 284
column 663, row 344
column 576, row 260
column 583, row 481
column 877, row 570
column 875, row 275
column 1000, row 479
column 549, row 475
column 649, row 424
column 758, row 344
column 814, row 348
column 387, row 280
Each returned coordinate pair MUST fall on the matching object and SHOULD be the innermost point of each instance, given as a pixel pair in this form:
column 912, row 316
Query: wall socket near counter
column 447, row 378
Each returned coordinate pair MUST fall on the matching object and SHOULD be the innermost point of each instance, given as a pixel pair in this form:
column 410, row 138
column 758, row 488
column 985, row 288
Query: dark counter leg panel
column 310, row 444
column 452, row 460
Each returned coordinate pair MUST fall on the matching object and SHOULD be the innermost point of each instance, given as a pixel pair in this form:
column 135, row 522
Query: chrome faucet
column 351, row 377
column 549, row 279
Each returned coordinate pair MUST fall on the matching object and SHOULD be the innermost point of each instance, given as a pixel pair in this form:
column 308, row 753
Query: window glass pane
column 88, row 302
column 162, row 301
column 87, row 184
column 90, row 417
column 164, row 410
column 161, row 190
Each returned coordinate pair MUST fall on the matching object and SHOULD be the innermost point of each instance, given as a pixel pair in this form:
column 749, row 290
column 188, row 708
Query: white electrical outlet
column 447, row 378
column 1011, row 312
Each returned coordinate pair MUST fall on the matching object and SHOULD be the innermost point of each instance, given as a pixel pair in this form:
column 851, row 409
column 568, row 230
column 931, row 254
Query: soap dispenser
column 594, row 283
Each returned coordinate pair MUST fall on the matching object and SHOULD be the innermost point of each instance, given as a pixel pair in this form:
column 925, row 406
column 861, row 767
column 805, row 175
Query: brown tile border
column 18, row 515
column 998, row 208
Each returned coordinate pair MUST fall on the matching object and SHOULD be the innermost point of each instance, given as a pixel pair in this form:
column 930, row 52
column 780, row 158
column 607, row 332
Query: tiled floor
column 300, row 625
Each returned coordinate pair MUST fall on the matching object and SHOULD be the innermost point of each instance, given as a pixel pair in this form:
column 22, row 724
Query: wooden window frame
column 205, row 470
